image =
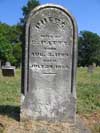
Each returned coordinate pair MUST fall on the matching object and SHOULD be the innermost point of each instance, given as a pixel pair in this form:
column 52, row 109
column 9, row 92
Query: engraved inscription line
column 53, row 20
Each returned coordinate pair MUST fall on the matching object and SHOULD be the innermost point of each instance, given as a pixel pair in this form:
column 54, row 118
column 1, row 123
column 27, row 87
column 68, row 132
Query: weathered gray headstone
column 48, row 86
column 91, row 68
column 8, row 70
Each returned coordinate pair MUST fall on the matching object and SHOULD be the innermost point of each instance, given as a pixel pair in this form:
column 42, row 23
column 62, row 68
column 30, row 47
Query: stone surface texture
column 50, row 65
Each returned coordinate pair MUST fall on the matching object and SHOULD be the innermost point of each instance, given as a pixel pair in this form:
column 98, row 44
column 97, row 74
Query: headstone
column 7, row 64
column 91, row 69
column 8, row 70
column 94, row 66
column 48, row 85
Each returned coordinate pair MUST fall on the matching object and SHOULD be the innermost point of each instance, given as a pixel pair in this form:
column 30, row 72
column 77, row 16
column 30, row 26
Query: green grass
column 10, row 89
column 88, row 91
column 10, row 95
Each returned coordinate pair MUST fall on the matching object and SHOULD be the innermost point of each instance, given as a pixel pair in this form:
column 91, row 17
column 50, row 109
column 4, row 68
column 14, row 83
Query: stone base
column 57, row 111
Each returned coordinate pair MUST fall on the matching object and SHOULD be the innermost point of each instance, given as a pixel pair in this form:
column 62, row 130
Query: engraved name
column 50, row 43
column 53, row 20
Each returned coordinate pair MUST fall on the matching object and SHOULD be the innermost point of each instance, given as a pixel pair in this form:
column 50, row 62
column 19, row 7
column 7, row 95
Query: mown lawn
column 10, row 96
column 88, row 90
column 88, row 97
column 10, row 89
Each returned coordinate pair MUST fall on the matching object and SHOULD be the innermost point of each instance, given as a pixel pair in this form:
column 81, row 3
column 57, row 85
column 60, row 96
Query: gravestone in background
column 91, row 68
column 48, row 85
column 8, row 70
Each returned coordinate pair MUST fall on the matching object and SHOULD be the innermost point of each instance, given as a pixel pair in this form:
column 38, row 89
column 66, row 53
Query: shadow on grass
column 10, row 111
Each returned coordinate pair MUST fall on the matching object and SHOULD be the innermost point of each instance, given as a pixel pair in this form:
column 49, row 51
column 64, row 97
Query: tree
column 12, row 38
column 31, row 4
column 11, row 33
column 6, row 49
column 17, row 53
column 88, row 48
column 27, row 9
column 9, row 37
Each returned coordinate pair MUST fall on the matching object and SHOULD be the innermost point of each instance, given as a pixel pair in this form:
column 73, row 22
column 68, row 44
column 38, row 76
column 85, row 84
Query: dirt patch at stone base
column 10, row 125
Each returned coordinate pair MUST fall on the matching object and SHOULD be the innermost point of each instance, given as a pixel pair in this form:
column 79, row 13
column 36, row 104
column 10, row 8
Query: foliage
column 9, row 37
column 12, row 37
column 17, row 53
column 5, row 49
column 11, row 33
column 31, row 4
column 88, row 48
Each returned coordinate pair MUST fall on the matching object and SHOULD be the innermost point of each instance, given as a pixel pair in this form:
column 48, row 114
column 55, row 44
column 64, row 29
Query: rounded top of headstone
column 50, row 5
column 7, row 64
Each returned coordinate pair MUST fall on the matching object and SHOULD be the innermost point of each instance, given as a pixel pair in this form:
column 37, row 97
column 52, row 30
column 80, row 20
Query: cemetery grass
column 10, row 95
column 88, row 98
